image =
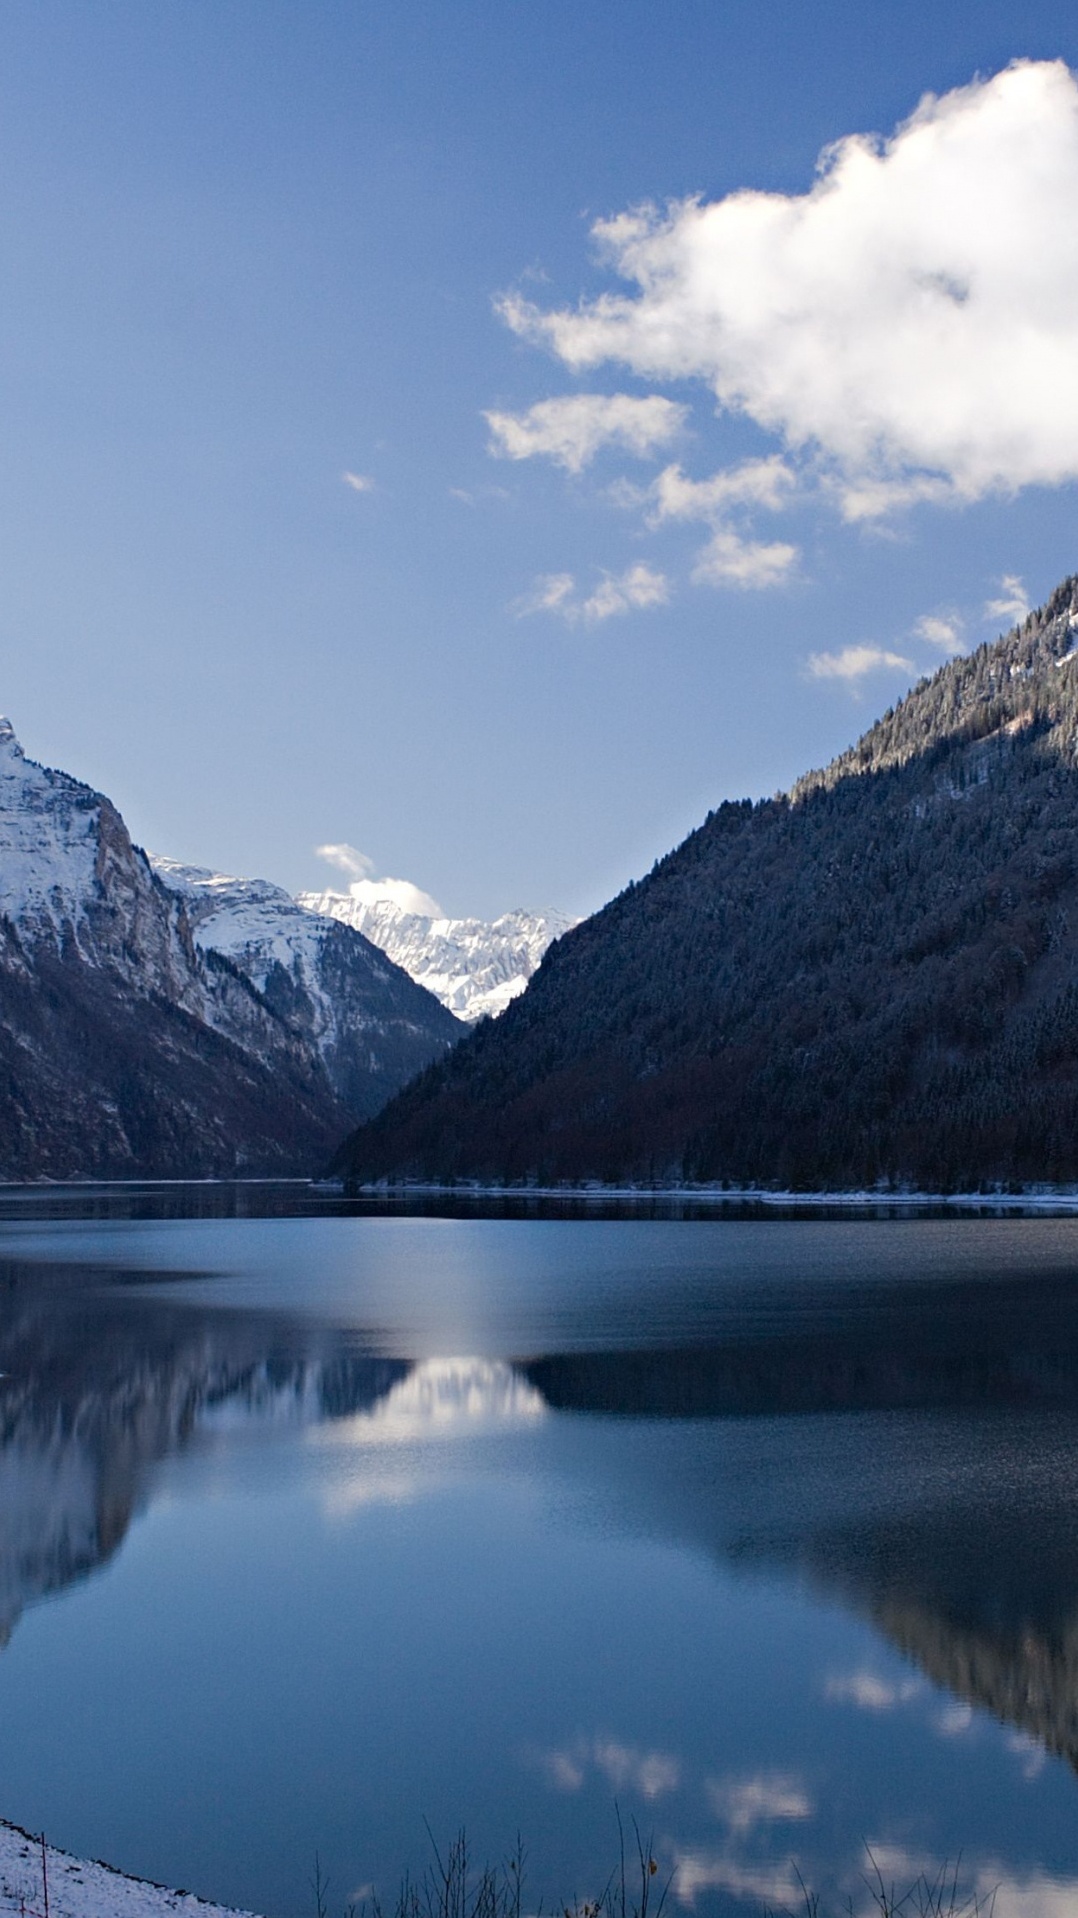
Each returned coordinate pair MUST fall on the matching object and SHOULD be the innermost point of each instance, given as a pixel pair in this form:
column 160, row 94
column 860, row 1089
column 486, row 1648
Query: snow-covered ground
column 474, row 966
column 79, row 1888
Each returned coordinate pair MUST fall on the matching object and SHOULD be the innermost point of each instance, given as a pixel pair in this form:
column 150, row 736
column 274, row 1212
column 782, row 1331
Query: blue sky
column 249, row 248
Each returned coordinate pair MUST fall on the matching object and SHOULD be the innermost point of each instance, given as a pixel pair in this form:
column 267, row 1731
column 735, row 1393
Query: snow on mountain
column 129, row 1046
column 124, row 1051
column 474, row 966
column 372, row 1026
column 48, row 843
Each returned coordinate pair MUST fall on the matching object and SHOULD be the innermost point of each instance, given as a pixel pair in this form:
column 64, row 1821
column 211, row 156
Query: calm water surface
column 313, row 1528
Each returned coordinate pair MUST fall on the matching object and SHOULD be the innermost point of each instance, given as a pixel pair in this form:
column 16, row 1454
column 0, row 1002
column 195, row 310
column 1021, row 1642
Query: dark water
column 313, row 1528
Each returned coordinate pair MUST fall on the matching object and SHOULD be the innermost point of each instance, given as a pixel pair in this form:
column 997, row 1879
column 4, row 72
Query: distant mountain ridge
column 474, row 966
column 872, row 979
column 370, row 1024
column 127, row 1049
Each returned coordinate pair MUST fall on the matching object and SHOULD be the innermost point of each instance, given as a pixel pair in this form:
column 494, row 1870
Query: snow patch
column 81, row 1888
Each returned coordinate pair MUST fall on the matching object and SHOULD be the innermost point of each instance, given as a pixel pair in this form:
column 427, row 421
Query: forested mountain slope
column 874, row 977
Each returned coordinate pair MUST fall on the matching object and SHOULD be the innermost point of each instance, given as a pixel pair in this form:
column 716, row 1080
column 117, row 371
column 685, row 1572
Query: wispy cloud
column 1011, row 603
column 359, row 482
column 551, row 593
column 638, row 589
column 572, row 430
column 365, row 889
column 730, row 558
column 766, row 483
column 853, row 663
column 908, row 327
column 347, row 859
column 944, row 630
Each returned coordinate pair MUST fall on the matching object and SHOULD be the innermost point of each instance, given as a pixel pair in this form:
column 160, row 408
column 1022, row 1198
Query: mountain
column 873, row 978
column 125, row 1049
column 370, row 1024
column 474, row 966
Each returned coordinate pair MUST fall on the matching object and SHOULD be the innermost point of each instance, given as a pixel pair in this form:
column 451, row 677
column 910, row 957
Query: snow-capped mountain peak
column 68, row 870
column 474, row 966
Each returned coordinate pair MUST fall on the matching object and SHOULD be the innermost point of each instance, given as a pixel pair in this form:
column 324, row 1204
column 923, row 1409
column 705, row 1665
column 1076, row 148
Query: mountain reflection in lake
column 767, row 1532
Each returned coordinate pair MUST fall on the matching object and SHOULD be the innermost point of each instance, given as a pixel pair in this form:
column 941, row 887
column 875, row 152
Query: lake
column 320, row 1526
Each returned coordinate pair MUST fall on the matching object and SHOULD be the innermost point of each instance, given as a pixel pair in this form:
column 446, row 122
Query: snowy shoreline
column 1063, row 1199
column 86, row 1888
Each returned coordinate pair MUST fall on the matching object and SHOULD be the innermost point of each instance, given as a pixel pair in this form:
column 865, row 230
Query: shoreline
column 1063, row 1199
column 86, row 1887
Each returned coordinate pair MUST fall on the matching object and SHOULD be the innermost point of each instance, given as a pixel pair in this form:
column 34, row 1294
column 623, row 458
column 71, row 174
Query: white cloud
column 359, row 482
column 639, row 588
column 552, row 593
column 365, row 890
column 768, row 1798
column 346, row 859
column 911, row 321
column 853, row 662
column 1012, row 603
column 729, row 560
column 872, row 496
column 570, row 431
column 943, row 630
column 395, row 892
column 636, row 590
column 765, row 483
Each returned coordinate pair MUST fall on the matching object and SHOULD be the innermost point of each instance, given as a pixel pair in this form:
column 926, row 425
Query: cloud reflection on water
column 650, row 1774
column 766, row 1798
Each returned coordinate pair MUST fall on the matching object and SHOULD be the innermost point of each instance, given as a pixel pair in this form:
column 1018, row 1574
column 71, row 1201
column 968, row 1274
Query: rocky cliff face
column 369, row 1023
column 126, row 1048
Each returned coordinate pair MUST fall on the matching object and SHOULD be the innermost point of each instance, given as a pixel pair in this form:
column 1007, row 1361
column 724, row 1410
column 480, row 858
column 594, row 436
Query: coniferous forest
column 871, row 978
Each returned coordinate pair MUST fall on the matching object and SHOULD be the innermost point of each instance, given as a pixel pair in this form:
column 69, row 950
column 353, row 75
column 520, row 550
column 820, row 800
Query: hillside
column 874, row 977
